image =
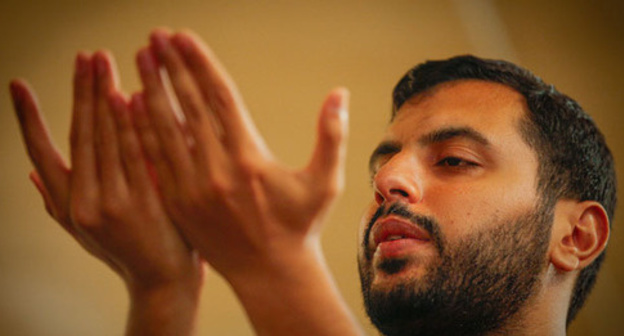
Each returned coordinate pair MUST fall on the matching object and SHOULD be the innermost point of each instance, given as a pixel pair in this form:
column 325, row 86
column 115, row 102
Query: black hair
column 574, row 160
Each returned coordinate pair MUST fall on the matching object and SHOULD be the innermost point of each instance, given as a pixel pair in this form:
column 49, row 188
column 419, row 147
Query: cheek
column 462, row 209
column 456, row 207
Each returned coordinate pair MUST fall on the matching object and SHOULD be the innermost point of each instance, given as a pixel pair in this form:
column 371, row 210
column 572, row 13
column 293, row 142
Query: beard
column 475, row 285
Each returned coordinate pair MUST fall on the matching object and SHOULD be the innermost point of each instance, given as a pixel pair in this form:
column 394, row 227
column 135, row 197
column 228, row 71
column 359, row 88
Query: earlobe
column 580, row 234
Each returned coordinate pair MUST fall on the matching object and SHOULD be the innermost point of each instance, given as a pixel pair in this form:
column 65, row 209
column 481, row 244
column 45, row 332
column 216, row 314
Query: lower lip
column 399, row 248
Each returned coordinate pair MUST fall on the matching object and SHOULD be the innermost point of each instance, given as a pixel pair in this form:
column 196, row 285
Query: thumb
column 327, row 164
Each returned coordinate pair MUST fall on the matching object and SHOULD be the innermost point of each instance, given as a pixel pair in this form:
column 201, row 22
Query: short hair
column 574, row 160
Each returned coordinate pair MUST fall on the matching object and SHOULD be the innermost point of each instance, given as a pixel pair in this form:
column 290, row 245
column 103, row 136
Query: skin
column 208, row 169
column 467, row 180
column 464, row 194
column 107, row 201
column 256, row 221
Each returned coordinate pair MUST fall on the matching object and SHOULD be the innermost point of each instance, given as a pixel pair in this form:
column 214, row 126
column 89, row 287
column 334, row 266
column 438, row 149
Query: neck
column 546, row 311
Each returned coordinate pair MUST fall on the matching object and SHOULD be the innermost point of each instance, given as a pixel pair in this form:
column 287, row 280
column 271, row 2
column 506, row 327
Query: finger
column 219, row 92
column 110, row 169
column 327, row 163
column 151, row 146
column 42, row 152
column 84, row 178
column 129, row 146
column 172, row 143
column 199, row 121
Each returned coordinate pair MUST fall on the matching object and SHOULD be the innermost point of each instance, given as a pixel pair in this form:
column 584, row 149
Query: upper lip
column 396, row 226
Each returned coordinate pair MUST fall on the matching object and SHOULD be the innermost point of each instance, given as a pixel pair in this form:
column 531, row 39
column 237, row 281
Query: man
column 486, row 211
column 254, row 220
column 494, row 194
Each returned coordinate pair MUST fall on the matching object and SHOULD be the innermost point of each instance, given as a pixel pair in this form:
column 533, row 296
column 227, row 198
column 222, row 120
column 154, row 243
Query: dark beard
column 474, row 287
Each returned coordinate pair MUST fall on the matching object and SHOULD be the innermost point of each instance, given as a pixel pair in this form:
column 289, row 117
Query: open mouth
column 395, row 237
column 393, row 228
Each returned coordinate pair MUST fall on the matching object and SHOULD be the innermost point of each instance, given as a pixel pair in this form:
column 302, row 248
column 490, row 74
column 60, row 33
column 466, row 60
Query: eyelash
column 458, row 163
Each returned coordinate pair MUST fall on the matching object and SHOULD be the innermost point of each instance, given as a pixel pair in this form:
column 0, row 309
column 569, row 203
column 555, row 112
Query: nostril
column 401, row 192
column 379, row 198
column 391, row 195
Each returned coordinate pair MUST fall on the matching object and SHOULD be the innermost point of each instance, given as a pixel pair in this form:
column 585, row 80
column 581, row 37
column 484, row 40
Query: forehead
column 490, row 108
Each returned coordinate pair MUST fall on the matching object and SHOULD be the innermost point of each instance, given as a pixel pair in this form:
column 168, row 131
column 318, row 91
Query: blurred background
column 285, row 56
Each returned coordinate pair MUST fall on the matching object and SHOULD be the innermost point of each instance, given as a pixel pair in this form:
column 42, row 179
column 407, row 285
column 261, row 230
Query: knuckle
column 332, row 190
column 112, row 209
column 248, row 168
column 215, row 187
column 84, row 217
column 222, row 98
column 334, row 136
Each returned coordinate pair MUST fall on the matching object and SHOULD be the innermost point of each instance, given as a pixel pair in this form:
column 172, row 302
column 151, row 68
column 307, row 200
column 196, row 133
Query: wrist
column 278, row 262
column 294, row 293
column 164, row 309
column 155, row 294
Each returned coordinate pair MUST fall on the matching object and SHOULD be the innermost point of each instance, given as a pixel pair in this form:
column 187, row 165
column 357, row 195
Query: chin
column 385, row 274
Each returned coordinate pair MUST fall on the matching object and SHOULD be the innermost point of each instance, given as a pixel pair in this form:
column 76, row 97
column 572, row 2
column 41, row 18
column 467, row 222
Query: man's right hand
column 256, row 221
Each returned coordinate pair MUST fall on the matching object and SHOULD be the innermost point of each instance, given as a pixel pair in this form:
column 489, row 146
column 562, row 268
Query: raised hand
column 108, row 202
column 254, row 220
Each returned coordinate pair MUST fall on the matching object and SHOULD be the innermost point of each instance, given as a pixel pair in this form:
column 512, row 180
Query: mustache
column 426, row 223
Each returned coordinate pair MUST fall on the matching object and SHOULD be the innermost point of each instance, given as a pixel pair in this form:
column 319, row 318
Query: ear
column 580, row 234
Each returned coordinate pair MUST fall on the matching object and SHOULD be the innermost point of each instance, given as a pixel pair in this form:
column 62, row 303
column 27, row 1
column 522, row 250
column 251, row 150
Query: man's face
column 456, row 235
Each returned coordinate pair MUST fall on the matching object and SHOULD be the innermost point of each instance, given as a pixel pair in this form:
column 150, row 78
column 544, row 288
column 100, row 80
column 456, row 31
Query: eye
column 455, row 162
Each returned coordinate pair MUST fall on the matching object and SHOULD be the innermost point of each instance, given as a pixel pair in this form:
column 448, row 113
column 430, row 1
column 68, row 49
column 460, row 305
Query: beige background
column 285, row 56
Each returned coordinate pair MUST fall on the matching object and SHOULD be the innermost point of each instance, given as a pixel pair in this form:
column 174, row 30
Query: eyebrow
column 448, row 133
column 437, row 136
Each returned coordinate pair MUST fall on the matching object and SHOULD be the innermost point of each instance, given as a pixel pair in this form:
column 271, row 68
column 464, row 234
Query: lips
column 393, row 228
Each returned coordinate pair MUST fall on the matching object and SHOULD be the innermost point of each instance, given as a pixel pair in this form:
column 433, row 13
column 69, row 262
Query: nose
column 397, row 180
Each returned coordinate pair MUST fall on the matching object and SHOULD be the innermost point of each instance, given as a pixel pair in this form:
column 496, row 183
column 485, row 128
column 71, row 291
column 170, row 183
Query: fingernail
column 343, row 115
column 183, row 43
column 17, row 98
column 82, row 66
column 146, row 61
column 160, row 41
column 136, row 103
column 100, row 65
column 339, row 104
column 116, row 101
